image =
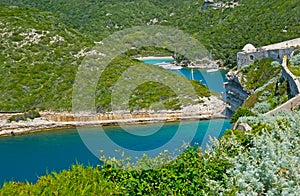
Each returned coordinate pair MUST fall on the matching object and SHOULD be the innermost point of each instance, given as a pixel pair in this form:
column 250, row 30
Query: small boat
column 212, row 70
column 175, row 67
column 168, row 66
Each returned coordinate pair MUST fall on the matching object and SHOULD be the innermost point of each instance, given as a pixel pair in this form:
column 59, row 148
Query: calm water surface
column 213, row 80
column 26, row 157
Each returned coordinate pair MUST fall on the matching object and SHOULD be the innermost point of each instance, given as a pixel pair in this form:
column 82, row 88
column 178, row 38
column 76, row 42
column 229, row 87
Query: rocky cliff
column 235, row 93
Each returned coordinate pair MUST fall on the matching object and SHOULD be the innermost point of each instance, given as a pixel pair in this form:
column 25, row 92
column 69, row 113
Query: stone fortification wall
column 246, row 58
column 294, row 86
column 276, row 51
column 293, row 81
column 289, row 105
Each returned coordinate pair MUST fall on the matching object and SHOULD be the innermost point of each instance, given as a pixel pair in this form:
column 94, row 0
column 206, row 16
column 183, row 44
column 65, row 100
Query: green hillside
column 39, row 60
column 223, row 31
column 42, row 45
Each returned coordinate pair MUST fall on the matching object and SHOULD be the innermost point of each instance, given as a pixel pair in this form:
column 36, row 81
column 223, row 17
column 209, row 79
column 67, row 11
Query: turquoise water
column 26, row 157
column 213, row 80
column 160, row 60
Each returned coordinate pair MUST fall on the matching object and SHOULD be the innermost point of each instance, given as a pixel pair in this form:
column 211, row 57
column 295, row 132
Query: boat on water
column 212, row 70
column 169, row 66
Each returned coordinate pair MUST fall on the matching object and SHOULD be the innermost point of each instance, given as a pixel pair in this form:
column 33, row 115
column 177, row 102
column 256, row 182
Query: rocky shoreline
column 212, row 109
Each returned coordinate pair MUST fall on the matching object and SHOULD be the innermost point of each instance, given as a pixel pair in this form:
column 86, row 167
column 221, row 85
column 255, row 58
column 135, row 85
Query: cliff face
column 235, row 93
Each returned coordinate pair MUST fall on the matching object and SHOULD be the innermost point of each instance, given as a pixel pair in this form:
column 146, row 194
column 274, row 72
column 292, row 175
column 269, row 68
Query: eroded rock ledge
column 213, row 108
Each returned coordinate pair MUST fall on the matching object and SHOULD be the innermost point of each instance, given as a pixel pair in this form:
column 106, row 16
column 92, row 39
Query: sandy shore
column 53, row 120
column 213, row 66
column 154, row 57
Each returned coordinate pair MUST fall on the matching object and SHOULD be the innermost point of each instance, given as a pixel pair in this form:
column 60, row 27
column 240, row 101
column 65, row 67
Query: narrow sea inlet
column 27, row 157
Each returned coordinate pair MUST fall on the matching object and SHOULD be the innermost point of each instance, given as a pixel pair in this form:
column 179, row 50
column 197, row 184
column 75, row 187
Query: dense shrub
column 241, row 111
column 101, row 18
column 272, row 165
column 186, row 175
column 78, row 180
column 295, row 60
column 261, row 107
column 275, row 64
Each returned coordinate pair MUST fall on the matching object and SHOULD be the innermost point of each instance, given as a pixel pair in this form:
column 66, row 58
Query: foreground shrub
column 262, row 107
column 186, row 175
column 272, row 165
column 77, row 181
column 295, row 60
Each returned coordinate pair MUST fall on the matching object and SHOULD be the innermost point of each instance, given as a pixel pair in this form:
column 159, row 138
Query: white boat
column 212, row 70
column 176, row 67
column 168, row 66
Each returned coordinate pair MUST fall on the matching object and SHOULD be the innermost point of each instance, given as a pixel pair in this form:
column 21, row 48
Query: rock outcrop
column 235, row 93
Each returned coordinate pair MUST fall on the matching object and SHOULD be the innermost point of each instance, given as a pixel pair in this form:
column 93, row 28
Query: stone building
column 276, row 51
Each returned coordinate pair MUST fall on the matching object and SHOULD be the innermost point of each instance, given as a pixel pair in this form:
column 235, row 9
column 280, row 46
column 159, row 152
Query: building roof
column 249, row 48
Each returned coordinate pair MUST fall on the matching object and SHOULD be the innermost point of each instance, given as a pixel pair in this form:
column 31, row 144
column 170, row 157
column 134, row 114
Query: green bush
column 261, row 107
column 271, row 165
column 186, row 175
column 295, row 60
column 78, row 180
column 32, row 114
column 241, row 111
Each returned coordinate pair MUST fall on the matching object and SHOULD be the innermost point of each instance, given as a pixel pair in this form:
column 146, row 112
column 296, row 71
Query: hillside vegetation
column 268, row 89
column 41, row 52
column 39, row 60
column 223, row 31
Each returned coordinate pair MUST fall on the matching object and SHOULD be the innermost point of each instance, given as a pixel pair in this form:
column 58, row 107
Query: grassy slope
column 78, row 181
column 39, row 59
